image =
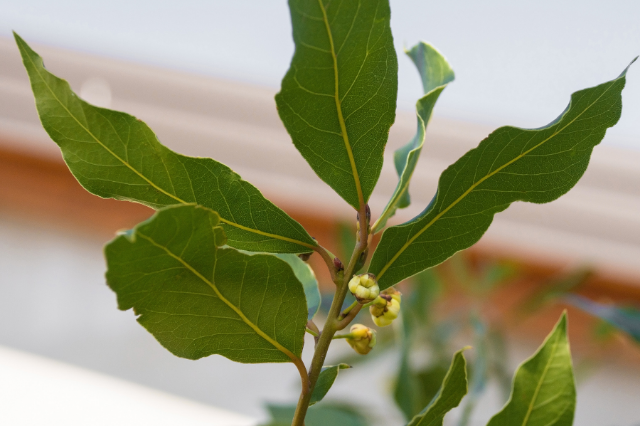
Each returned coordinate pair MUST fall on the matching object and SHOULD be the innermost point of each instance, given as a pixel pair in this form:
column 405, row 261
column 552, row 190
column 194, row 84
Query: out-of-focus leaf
column 407, row 392
column 479, row 372
column 319, row 415
column 436, row 73
column 626, row 319
column 307, row 277
column 425, row 292
column 493, row 275
column 327, row 376
column 453, row 389
column 554, row 289
column 497, row 346
column 543, row 392
column 198, row 298
column 346, row 236
column 115, row 155
column 338, row 99
column 511, row 164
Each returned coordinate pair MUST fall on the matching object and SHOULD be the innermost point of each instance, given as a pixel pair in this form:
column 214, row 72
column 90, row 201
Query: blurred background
column 203, row 76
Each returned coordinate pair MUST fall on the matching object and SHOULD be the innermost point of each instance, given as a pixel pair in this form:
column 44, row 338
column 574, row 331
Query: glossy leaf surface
column 435, row 73
column 511, row 164
column 328, row 375
column 543, row 391
column 115, row 155
column 198, row 298
column 453, row 389
column 338, row 99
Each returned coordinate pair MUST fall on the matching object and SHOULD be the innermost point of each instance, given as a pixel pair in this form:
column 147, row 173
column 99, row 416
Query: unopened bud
column 362, row 338
column 337, row 263
column 386, row 307
column 364, row 287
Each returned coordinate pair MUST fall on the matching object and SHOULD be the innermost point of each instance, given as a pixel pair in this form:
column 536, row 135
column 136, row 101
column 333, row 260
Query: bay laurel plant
column 218, row 270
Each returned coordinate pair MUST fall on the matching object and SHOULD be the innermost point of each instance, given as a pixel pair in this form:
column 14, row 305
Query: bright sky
column 515, row 63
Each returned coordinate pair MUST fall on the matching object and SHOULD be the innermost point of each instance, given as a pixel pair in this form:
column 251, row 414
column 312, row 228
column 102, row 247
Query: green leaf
column 198, row 298
column 338, row 99
column 327, row 376
column 320, row 415
column 511, row 164
column 479, row 370
column 115, row 155
column 554, row 289
column 543, row 391
column 307, row 277
column 626, row 319
column 436, row 73
column 453, row 389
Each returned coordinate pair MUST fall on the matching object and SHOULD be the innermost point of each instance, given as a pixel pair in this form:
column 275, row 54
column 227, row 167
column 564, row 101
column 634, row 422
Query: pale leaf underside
column 436, row 73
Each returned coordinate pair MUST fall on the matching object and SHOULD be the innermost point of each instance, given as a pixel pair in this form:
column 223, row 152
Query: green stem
column 342, row 336
column 344, row 321
column 330, row 328
column 347, row 310
column 311, row 332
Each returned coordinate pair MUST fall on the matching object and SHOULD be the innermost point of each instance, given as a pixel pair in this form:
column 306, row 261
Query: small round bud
column 364, row 287
column 337, row 263
column 386, row 307
column 362, row 339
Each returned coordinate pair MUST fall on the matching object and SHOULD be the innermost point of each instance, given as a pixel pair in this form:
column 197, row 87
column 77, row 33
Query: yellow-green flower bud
column 386, row 307
column 362, row 338
column 364, row 287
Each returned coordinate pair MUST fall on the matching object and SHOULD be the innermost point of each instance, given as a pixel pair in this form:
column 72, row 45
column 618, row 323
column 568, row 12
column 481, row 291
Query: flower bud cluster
column 364, row 287
column 386, row 307
column 362, row 339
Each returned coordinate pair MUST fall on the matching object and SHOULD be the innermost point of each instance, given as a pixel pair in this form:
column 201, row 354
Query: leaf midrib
column 343, row 127
column 539, row 385
column 237, row 310
column 228, row 222
column 472, row 187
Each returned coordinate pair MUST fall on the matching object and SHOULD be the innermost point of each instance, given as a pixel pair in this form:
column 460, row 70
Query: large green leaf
column 436, row 73
column 511, row 164
column 328, row 375
column 543, row 391
column 198, row 298
column 115, row 155
column 338, row 99
column 307, row 277
column 453, row 389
